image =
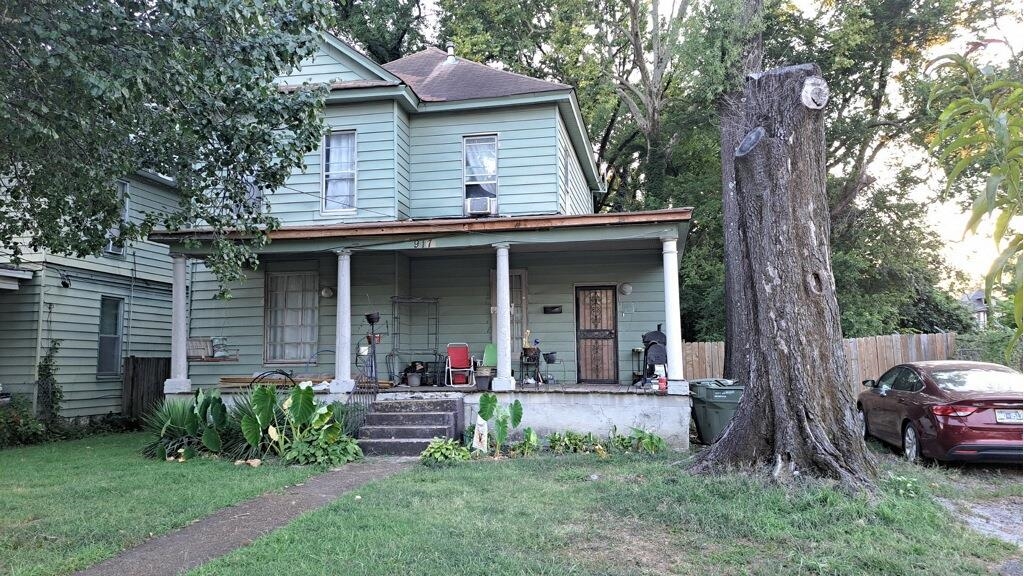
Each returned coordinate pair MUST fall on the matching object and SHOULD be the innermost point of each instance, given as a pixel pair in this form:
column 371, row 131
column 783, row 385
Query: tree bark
column 730, row 114
column 798, row 413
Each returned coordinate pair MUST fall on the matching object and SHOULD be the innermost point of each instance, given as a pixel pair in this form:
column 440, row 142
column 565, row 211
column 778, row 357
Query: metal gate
column 597, row 337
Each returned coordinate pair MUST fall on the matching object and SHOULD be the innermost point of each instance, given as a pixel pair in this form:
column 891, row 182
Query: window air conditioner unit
column 480, row 206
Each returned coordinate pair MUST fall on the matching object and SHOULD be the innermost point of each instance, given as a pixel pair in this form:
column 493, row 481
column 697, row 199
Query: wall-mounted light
column 65, row 280
column 327, row 292
column 625, row 289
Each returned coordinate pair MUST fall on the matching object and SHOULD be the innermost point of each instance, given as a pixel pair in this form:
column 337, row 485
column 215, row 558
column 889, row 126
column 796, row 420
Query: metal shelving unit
column 415, row 329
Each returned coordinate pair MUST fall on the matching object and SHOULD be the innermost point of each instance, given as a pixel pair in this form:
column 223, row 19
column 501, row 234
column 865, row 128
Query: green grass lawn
column 67, row 505
column 626, row 515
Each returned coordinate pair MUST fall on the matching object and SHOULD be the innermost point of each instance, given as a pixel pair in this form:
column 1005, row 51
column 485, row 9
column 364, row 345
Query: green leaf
column 192, row 424
column 488, row 403
column 211, row 439
column 252, row 430
column 264, row 400
column 516, row 411
column 303, row 405
column 218, row 413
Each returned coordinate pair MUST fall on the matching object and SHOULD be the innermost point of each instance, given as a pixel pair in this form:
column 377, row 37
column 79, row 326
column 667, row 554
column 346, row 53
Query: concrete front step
column 417, row 405
column 393, row 446
column 410, row 419
column 413, row 432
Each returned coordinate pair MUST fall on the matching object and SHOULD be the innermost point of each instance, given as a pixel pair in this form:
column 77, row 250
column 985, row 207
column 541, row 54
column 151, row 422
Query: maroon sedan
column 947, row 410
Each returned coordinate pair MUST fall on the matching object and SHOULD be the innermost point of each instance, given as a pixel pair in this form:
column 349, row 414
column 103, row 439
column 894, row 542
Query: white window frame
column 112, row 249
column 497, row 147
column 267, row 307
column 355, row 172
column 118, row 338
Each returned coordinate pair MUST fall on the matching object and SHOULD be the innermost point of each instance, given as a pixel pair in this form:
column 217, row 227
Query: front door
column 597, row 339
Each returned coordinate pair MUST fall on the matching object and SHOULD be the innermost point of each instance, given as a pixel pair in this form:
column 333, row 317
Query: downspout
column 131, row 304
column 39, row 336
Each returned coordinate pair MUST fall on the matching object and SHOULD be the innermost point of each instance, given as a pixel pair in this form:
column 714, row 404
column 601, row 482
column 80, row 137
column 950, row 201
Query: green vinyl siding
column 72, row 315
column 375, row 278
column 401, row 163
column 374, row 124
column 574, row 196
column 527, row 178
column 326, row 65
column 19, row 319
column 142, row 258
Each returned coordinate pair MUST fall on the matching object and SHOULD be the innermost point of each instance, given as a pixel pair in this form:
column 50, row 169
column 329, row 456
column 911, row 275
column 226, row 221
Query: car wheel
column 863, row 418
column 911, row 443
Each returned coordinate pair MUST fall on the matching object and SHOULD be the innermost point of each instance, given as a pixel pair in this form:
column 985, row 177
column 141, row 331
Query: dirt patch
column 1000, row 518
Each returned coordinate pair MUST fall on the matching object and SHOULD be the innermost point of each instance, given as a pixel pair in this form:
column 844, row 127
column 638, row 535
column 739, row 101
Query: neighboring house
column 102, row 308
column 439, row 178
column 975, row 303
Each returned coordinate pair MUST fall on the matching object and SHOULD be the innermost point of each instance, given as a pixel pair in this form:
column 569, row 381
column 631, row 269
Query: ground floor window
column 108, row 361
column 290, row 313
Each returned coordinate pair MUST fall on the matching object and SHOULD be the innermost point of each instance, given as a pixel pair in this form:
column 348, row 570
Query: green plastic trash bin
column 714, row 402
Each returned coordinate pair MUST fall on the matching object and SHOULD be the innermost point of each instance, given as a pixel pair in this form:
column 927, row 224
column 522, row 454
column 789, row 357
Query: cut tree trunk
column 730, row 114
column 797, row 415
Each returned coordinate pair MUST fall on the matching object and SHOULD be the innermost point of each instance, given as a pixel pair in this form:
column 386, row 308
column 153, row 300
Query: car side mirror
column 870, row 383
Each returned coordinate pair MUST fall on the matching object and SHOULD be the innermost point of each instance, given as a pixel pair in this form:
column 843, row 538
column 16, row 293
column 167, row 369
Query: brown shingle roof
column 434, row 79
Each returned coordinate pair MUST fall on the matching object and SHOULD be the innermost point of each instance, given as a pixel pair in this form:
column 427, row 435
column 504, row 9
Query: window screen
column 291, row 316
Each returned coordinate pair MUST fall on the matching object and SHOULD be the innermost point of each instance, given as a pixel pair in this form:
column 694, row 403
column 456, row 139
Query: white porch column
column 179, row 382
column 343, row 381
column 673, row 331
column 503, row 317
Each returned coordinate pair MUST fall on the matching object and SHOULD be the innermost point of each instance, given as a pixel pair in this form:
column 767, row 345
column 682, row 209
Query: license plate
column 1009, row 416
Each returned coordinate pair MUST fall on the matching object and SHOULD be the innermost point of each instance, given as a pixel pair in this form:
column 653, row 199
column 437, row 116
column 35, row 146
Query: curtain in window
column 291, row 316
column 340, row 171
column 481, row 166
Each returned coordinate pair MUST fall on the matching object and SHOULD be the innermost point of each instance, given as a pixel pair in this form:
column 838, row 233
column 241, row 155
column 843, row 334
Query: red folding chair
column 459, row 365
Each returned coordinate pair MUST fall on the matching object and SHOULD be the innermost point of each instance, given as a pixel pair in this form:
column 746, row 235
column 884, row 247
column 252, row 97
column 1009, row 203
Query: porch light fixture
column 327, row 292
column 625, row 289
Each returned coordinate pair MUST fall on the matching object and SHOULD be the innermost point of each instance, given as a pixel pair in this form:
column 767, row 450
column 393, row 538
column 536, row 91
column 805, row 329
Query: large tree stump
column 798, row 414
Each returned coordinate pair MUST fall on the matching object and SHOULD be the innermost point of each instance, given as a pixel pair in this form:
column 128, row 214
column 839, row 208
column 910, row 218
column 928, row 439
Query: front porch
column 587, row 287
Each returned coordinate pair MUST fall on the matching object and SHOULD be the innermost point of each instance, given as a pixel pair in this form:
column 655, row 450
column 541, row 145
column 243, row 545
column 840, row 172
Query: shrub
column 527, row 446
column 570, row 442
column 183, row 429
column 444, row 451
column 18, row 425
column 48, row 392
column 297, row 428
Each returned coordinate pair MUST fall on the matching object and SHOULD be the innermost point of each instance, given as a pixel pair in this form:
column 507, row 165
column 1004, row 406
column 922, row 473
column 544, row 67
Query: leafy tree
column 979, row 138
column 385, row 29
column 97, row 90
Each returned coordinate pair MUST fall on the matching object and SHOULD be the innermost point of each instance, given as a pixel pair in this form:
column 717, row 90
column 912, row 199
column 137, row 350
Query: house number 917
column 429, row 243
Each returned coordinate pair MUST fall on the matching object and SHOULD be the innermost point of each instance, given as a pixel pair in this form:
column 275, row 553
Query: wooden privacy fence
column 143, row 384
column 867, row 358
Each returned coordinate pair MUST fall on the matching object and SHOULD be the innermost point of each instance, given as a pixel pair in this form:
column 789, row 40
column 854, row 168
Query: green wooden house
column 465, row 192
column 102, row 308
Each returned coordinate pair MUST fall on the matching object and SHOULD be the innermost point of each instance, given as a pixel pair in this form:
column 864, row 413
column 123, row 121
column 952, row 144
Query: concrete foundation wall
column 598, row 412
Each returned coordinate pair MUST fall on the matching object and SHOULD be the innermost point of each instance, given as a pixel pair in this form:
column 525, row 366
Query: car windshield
column 979, row 380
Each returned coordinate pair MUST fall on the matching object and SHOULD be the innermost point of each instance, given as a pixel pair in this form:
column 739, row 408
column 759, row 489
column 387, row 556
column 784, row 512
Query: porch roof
column 460, row 232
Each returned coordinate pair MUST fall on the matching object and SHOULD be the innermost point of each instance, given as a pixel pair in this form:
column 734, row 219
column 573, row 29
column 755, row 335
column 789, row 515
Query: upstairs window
column 480, row 166
column 108, row 359
column 339, row 192
column 113, row 248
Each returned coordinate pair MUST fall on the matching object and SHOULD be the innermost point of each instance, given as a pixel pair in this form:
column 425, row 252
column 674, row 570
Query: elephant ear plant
column 505, row 419
column 297, row 429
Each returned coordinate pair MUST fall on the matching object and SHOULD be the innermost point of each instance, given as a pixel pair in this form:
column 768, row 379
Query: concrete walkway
column 238, row 525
